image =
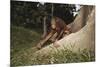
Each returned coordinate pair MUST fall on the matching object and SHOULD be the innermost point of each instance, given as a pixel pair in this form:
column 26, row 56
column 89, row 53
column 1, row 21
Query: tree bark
column 44, row 27
column 81, row 18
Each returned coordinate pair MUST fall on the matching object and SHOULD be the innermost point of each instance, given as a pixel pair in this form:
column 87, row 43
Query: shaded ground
column 22, row 40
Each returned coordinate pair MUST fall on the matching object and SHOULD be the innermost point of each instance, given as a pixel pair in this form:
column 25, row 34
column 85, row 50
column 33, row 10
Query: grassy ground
column 23, row 42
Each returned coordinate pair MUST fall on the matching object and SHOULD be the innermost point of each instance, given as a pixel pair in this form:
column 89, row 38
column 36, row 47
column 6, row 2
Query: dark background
column 30, row 14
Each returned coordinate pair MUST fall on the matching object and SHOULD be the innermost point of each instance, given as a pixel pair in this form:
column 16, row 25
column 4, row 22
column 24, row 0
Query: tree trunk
column 81, row 19
column 76, row 42
column 44, row 27
column 52, row 9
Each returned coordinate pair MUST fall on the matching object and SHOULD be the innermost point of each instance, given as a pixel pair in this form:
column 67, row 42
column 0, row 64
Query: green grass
column 22, row 38
column 63, row 56
column 23, row 42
